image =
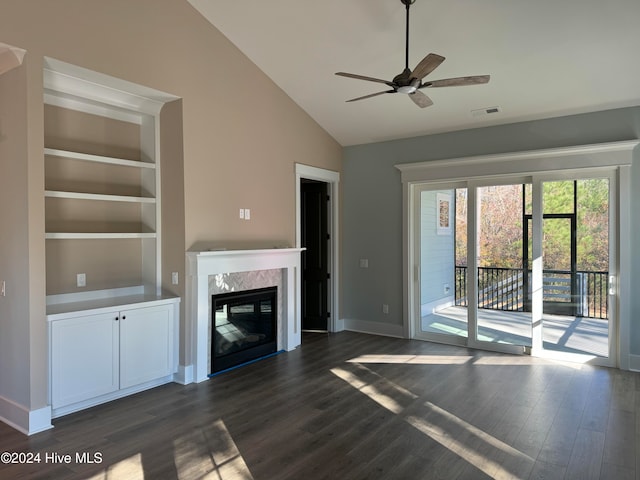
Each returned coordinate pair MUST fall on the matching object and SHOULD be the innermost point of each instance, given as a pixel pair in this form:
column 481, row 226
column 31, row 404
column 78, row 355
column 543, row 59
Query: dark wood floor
column 355, row 406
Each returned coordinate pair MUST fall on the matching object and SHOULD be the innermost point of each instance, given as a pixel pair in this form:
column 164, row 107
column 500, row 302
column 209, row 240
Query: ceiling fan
column 410, row 82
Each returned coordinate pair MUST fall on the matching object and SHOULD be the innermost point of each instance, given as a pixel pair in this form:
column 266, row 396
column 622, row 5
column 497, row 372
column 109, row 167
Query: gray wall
column 372, row 200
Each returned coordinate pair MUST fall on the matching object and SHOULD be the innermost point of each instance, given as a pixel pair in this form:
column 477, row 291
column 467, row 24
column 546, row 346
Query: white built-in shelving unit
column 103, row 218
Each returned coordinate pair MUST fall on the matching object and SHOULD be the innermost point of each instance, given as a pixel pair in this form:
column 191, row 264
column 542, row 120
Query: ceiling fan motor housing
column 405, row 83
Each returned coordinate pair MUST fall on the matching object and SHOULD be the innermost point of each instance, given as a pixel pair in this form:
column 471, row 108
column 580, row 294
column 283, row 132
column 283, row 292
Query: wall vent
column 481, row 112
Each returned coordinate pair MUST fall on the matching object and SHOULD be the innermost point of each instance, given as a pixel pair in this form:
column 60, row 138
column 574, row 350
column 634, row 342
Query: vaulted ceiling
column 546, row 58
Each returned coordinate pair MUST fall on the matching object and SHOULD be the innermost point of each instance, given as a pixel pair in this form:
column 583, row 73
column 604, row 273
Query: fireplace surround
column 207, row 269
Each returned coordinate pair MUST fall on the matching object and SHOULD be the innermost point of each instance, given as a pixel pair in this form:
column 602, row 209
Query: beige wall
column 14, row 258
column 241, row 135
column 172, row 187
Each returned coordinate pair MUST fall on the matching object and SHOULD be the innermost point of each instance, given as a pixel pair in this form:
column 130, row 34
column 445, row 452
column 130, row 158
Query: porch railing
column 504, row 289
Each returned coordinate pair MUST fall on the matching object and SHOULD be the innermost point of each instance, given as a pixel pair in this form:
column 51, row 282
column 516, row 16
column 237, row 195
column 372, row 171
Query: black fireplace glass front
column 243, row 326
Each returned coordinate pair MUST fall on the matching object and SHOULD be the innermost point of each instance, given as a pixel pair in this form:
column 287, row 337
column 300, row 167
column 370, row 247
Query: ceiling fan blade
column 371, row 95
column 427, row 65
column 458, row 82
column 362, row 77
column 420, row 99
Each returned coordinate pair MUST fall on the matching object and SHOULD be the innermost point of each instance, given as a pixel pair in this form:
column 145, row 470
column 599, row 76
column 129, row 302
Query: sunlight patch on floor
column 377, row 392
column 446, row 330
column 129, row 468
column 421, row 424
column 481, row 359
column 414, row 359
column 209, row 452
column 449, row 430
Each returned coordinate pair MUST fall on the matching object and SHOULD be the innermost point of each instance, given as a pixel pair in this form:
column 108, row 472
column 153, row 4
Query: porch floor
column 589, row 336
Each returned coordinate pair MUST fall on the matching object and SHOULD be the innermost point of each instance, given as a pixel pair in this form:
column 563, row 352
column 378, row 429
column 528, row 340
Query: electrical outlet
column 242, row 213
column 81, row 280
column 385, row 308
column 364, row 263
column 174, row 278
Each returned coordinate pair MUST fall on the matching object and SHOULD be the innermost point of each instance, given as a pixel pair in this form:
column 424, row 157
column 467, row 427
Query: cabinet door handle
column 117, row 318
column 124, row 317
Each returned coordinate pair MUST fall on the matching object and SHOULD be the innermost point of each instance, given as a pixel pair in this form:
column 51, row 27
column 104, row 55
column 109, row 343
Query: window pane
column 558, row 197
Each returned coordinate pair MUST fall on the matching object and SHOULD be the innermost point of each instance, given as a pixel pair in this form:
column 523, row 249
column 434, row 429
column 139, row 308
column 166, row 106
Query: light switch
column 364, row 263
column 81, row 280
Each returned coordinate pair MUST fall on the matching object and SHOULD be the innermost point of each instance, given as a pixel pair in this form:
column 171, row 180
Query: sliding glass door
column 501, row 320
column 517, row 264
column 576, row 258
column 442, row 296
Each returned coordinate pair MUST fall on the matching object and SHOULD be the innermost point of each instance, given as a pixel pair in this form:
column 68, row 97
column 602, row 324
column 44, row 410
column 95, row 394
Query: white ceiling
column 546, row 58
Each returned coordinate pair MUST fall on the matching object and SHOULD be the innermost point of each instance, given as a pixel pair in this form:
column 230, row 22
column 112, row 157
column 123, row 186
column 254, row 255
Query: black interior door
column 315, row 265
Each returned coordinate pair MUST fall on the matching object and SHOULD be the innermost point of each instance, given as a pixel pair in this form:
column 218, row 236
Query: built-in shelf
column 102, row 181
column 92, row 303
column 99, row 235
column 53, row 152
column 98, row 196
column 115, row 333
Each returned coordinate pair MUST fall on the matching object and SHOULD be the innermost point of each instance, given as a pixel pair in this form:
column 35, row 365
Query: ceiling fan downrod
column 407, row 3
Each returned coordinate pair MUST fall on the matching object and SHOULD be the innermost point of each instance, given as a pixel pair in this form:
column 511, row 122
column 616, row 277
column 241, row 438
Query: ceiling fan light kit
column 407, row 89
column 410, row 82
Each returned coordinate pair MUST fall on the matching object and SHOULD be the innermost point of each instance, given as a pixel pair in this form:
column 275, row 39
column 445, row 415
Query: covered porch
column 563, row 333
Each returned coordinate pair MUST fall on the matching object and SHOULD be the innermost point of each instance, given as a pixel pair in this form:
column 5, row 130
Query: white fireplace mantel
column 202, row 264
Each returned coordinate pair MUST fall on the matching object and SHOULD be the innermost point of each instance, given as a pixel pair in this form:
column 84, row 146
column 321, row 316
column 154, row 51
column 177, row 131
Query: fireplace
column 243, row 326
column 207, row 275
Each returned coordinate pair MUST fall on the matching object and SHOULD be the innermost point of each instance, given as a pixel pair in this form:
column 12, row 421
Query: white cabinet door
column 84, row 358
column 146, row 344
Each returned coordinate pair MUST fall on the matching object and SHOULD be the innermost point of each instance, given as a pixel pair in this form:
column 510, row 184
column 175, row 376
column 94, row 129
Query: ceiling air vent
column 481, row 112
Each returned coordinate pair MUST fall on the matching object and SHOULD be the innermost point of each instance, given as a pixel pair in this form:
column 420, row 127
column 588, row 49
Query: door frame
column 572, row 217
column 332, row 179
column 614, row 158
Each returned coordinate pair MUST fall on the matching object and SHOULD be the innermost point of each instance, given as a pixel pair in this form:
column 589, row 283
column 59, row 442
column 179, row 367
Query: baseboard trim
column 184, row 375
column 24, row 420
column 429, row 308
column 374, row 328
column 634, row 363
column 40, row 420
